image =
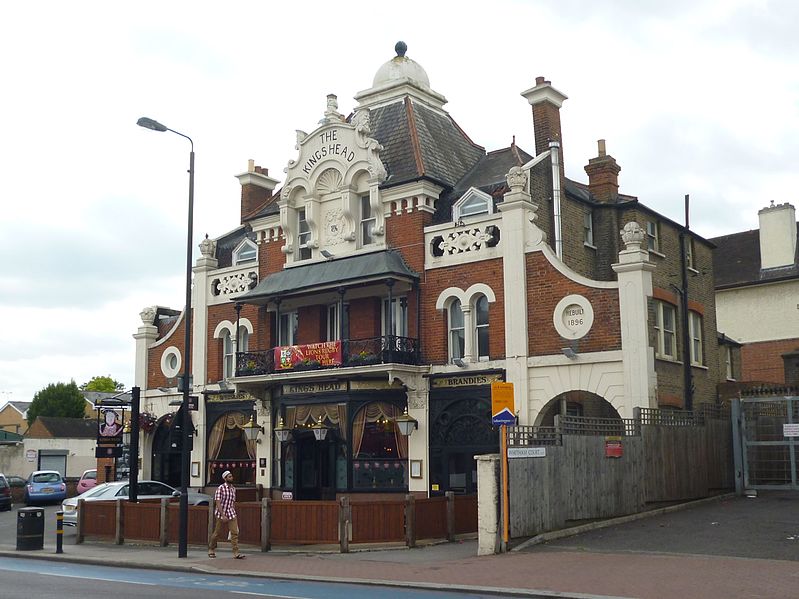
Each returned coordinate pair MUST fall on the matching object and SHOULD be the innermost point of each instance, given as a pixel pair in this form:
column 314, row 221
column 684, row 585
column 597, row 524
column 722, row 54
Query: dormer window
column 245, row 252
column 473, row 203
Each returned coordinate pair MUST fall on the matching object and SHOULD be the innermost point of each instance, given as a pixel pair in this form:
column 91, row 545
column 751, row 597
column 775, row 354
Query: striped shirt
column 225, row 501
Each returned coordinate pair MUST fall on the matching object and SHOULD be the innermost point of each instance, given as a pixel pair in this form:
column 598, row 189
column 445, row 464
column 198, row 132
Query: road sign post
column 502, row 415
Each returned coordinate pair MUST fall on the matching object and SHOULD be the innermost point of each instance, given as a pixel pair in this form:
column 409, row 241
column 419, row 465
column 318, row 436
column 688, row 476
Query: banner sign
column 314, row 355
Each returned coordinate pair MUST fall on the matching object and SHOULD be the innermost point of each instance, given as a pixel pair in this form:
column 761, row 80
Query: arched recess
column 576, row 403
column 165, row 465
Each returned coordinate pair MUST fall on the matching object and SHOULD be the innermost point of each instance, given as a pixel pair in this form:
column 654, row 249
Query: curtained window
column 380, row 451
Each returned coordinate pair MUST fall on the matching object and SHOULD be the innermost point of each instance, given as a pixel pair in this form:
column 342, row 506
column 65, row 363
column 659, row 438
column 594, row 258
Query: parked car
column 16, row 481
column 45, row 486
column 148, row 489
column 88, row 480
column 5, row 493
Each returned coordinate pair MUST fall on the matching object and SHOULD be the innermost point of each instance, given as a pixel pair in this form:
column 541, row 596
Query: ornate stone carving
column 234, row 283
column 147, row 315
column 516, row 178
column 329, row 181
column 208, row 247
column 632, row 235
column 467, row 240
column 334, row 226
column 363, row 122
column 417, row 400
column 331, row 112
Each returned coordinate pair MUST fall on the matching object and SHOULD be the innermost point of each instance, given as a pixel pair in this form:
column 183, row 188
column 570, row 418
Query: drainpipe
column 554, row 148
column 687, row 341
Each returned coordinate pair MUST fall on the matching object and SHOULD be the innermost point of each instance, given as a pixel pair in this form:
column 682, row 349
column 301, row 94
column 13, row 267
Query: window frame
column 695, row 321
column 333, row 328
column 367, row 218
column 292, row 318
column 455, row 307
column 482, row 356
column 303, row 236
column 662, row 331
column 588, row 228
column 400, row 316
column 652, row 236
column 228, row 355
column 470, row 197
column 245, row 246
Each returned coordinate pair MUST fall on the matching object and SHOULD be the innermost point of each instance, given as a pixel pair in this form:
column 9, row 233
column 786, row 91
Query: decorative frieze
column 233, row 283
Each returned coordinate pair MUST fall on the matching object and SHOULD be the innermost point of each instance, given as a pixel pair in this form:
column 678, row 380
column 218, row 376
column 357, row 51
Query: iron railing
column 388, row 349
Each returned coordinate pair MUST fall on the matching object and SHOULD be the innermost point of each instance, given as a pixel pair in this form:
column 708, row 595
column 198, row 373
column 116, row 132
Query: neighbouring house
column 757, row 296
column 13, row 417
column 398, row 271
column 63, row 444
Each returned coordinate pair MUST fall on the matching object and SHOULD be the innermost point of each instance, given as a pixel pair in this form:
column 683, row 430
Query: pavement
column 719, row 548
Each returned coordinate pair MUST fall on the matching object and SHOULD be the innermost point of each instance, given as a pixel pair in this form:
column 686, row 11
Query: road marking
column 117, row 580
column 268, row 595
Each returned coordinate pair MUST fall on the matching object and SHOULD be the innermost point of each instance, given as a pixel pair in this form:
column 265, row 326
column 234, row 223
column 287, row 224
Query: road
column 24, row 578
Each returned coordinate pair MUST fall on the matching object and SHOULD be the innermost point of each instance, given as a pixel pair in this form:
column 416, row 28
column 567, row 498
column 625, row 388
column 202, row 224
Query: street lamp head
column 126, row 432
column 150, row 124
column 406, row 424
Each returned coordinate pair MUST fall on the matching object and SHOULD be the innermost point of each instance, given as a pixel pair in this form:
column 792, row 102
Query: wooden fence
column 595, row 468
column 286, row 522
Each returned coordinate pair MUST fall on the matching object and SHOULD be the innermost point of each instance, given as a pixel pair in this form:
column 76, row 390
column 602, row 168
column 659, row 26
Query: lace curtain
column 372, row 413
column 228, row 421
column 305, row 415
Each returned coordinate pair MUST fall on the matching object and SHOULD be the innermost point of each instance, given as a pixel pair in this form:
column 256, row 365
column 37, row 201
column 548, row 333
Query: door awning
column 330, row 274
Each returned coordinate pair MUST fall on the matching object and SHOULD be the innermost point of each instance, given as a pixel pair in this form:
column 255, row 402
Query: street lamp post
column 186, row 424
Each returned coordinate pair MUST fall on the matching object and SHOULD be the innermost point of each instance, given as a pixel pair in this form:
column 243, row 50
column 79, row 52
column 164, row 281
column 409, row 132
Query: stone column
column 518, row 213
column 145, row 337
column 488, row 537
column 635, row 288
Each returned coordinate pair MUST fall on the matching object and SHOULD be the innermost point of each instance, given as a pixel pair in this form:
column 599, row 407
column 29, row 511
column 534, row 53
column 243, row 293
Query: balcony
column 389, row 349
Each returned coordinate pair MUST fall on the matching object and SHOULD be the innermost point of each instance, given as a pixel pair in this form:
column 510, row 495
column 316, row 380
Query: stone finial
column 632, row 235
column 400, row 48
column 147, row 315
column 517, row 178
column 208, row 247
column 331, row 112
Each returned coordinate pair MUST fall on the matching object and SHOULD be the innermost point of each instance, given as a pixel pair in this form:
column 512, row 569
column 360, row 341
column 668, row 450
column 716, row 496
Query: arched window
column 380, row 451
column 244, row 339
column 456, row 330
column 228, row 354
column 481, row 327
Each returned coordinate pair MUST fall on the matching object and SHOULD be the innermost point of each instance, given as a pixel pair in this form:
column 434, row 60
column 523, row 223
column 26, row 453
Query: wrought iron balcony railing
column 388, row 349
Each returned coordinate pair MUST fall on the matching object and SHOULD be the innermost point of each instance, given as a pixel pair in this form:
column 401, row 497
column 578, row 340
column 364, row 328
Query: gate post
column 344, row 516
column 266, row 524
column 119, row 534
column 450, row 495
column 737, row 445
column 163, row 535
column 410, row 520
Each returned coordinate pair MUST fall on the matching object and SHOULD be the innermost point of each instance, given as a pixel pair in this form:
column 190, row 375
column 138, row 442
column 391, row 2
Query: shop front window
column 380, row 451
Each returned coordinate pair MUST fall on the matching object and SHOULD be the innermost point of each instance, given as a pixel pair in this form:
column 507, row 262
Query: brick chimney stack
column 603, row 175
column 546, row 102
column 256, row 189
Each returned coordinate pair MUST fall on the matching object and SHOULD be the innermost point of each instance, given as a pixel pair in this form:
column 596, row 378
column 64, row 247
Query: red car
column 87, row 481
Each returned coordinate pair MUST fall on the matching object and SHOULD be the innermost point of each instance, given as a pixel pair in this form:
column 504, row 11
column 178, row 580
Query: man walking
column 225, row 511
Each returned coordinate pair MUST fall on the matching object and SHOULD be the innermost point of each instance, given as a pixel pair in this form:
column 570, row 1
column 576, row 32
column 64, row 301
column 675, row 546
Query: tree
column 103, row 383
column 59, row 399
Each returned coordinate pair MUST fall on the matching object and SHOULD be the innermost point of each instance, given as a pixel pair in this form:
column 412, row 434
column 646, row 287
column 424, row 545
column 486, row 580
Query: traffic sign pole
column 503, row 439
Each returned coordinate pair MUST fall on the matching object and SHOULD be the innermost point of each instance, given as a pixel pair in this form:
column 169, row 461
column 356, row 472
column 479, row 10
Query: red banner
column 313, row 355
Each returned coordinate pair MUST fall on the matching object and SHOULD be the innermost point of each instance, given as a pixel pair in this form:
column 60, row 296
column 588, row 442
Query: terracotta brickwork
column 365, row 318
column 763, row 361
column 434, row 341
column 155, row 377
column 546, row 286
column 405, row 233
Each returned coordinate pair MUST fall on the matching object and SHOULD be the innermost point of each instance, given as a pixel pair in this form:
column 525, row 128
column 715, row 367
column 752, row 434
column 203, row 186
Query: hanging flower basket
column 147, row 422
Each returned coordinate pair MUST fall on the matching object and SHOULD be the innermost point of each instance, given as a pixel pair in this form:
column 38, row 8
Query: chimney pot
column 601, row 146
column 251, row 165
column 539, row 80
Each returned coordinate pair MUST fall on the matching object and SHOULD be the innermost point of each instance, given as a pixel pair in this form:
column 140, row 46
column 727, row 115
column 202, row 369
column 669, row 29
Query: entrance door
column 316, row 468
column 769, row 433
column 165, row 459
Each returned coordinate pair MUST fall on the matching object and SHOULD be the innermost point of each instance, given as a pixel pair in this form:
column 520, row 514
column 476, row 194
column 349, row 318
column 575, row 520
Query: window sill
column 589, row 245
column 657, row 253
column 668, row 359
column 693, row 270
column 700, row 366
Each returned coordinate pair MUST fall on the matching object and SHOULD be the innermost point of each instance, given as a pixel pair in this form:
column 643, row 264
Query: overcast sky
column 696, row 97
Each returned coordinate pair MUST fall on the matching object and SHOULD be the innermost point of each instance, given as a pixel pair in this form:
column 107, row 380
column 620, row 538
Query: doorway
column 315, row 468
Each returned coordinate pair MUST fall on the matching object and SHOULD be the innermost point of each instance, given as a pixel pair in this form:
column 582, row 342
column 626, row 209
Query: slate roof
column 69, row 428
column 21, row 406
column 488, row 175
column 420, row 142
column 331, row 273
column 736, row 261
column 228, row 242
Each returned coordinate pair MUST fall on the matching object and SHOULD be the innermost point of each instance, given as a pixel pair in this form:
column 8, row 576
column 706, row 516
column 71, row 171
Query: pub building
column 347, row 332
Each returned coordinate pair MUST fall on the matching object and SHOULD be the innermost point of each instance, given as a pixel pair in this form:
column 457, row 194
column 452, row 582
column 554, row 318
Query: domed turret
column 401, row 67
column 399, row 78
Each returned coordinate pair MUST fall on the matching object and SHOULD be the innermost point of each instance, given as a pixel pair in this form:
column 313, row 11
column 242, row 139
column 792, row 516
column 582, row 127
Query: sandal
column 212, row 555
column 239, row 556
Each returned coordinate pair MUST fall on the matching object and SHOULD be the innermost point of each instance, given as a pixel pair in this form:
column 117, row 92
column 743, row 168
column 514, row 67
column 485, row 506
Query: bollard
column 59, row 532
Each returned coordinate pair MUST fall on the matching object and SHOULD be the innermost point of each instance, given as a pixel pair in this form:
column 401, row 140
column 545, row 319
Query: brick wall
column 545, row 288
column 434, row 342
column 763, row 361
column 156, row 378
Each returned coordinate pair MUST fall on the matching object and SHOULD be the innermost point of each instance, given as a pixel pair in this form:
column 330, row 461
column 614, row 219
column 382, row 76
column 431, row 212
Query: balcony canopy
column 331, row 274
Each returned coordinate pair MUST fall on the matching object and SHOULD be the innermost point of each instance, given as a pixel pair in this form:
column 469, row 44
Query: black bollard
column 59, row 532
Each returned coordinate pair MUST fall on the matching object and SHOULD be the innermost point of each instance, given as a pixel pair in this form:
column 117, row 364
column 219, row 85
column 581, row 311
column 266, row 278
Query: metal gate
column 767, row 441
